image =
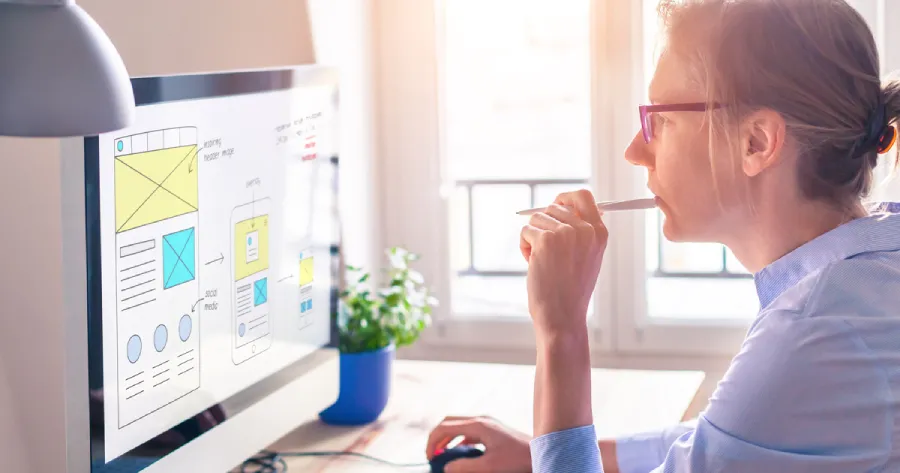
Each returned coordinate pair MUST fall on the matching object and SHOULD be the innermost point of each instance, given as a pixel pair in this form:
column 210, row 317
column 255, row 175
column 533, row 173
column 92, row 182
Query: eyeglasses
column 648, row 111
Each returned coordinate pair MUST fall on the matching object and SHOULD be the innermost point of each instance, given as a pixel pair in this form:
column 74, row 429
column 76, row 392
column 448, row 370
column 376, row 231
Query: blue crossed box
column 178, row 258
column 260, row 291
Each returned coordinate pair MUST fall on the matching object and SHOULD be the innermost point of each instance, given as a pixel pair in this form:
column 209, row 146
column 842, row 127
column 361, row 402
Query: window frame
column 408, row 94
column 408, row 182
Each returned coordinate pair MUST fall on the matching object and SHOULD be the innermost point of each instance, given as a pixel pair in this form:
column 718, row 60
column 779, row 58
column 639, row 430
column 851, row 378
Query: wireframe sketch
column 252, row 325
column 306, row 289
column 157, row 217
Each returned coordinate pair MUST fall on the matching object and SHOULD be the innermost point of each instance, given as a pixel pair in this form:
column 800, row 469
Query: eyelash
column 660, row 121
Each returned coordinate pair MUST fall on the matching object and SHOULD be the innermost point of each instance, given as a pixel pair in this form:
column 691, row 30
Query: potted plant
column 371, row 326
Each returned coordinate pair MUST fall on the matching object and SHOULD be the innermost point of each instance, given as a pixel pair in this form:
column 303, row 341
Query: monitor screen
column 211, row 239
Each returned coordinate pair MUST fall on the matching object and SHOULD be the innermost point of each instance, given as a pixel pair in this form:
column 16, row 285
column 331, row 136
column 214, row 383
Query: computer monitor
column 211, row 250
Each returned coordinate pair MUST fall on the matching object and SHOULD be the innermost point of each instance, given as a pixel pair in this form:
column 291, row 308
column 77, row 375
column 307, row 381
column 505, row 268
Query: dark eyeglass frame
column 647, row 110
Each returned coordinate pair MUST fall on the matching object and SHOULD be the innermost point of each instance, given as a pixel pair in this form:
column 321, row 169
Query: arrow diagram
column 193, row 160
column 194, row 307
column 220, row 259
column 285, row 278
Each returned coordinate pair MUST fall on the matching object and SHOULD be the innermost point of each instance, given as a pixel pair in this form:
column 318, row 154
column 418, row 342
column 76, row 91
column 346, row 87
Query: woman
column 769, row 118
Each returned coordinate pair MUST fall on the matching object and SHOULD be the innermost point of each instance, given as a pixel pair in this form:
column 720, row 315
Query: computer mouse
column 443, row 457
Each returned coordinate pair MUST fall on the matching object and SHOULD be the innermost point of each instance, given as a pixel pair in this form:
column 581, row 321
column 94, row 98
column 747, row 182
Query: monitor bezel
column 154, row 90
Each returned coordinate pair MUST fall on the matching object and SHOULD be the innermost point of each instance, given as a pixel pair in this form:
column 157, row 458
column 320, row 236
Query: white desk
column 425, row 392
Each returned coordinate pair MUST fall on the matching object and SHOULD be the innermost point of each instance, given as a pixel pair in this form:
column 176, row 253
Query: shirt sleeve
column 642, row 452
column 573, row 450
column 803, row 395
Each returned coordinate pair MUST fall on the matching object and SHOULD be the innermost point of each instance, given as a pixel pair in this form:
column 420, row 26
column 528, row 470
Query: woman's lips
column 660, row 204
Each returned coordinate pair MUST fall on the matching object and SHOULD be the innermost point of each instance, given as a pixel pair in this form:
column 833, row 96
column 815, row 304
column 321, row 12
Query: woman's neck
column 776, row 229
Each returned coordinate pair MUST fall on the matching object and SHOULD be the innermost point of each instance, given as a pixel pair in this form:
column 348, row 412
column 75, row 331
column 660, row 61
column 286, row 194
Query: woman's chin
column 669, row 226
column 676, row 231
column 670, row 230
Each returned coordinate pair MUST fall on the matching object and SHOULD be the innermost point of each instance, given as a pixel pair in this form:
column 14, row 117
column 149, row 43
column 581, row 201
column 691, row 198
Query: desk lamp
column 60, row 75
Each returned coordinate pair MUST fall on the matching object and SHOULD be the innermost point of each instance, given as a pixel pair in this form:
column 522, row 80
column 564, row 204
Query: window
column 516, row 93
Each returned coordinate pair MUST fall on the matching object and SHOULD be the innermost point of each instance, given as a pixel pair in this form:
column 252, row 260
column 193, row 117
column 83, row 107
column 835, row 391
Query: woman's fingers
column 449, row 430
column 584, row 204
column 527, row 239
column 562, row 214
column 544, row 221
column 569, row 218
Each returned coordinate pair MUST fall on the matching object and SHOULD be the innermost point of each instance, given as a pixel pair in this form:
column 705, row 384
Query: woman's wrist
column 563, row 381
column 562, row 339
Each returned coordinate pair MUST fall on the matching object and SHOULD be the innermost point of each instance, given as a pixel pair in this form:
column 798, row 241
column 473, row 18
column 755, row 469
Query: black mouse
column 440, row 460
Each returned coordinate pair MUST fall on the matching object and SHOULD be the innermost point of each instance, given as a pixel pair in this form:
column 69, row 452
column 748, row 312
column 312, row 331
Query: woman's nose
column 639, row 153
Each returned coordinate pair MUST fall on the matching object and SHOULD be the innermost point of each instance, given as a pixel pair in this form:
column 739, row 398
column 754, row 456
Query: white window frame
column 408, row 94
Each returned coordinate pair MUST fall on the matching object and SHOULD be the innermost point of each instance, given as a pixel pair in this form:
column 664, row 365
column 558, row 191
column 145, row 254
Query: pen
column 634, row 204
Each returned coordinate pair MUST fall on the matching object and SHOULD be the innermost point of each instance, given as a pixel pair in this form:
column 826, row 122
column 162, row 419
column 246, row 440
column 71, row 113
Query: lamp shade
column 60, row 75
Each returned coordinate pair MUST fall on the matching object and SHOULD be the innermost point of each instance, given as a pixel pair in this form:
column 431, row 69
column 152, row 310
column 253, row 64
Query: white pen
column 634, row 204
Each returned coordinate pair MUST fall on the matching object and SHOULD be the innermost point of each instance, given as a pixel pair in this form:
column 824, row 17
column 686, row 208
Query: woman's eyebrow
column 653, row 94
column 658, row 95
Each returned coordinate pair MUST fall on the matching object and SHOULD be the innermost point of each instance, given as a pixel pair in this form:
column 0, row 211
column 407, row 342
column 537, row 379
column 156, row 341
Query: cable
column 273, row 462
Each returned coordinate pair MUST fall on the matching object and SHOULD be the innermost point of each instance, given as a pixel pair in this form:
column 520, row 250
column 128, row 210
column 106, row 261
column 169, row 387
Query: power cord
column 273, row 462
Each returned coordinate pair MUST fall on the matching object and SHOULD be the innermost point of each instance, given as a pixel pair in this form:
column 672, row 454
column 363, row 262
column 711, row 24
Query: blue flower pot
column 365, row 385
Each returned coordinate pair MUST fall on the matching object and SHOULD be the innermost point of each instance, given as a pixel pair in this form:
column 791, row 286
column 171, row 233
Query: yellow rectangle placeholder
column 155, row 185
column 251, row 246
column 306, row 271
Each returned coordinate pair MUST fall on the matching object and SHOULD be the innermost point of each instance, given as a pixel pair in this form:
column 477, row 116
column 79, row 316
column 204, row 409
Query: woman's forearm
column 562, row 383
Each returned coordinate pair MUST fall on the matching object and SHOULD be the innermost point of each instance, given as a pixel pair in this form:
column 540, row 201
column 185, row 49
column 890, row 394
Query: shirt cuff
column 638, row 453
column 573, row 450
column 642, row 452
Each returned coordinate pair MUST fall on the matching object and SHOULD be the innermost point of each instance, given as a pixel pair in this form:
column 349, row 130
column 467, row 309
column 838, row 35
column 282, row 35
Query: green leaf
column 371, row 319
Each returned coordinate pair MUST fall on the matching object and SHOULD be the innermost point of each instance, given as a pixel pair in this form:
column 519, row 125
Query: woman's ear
column 762, row 139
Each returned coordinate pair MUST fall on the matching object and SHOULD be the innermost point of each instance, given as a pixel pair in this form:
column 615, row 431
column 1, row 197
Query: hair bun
column 880, row 135
column 887, row 139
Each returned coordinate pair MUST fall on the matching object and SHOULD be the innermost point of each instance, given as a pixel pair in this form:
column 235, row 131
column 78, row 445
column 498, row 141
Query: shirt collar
column 879, row 231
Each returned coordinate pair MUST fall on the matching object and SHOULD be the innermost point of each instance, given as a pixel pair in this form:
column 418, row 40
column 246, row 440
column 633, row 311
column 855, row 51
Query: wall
column 9, row 430
column 342, row 30
column 158, row 37
column 154, row 37
column 31, row 291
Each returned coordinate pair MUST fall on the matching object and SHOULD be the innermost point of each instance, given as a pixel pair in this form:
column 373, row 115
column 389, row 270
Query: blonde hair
column 815, row 62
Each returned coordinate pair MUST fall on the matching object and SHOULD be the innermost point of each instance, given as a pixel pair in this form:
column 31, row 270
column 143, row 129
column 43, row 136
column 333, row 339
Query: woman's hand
column 506, row 450
column 564, row 247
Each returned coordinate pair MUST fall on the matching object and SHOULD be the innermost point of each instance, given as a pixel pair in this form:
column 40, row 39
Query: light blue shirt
column 815, row 386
